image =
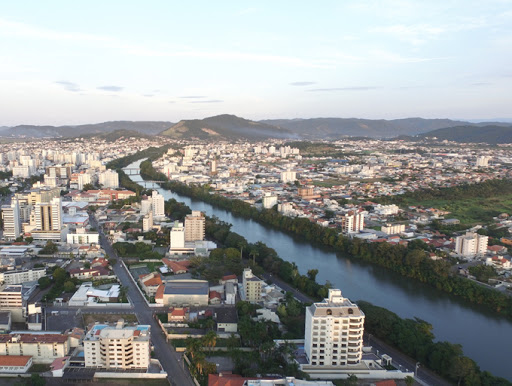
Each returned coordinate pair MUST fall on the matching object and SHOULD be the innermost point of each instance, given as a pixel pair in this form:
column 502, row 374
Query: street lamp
column 416, row 369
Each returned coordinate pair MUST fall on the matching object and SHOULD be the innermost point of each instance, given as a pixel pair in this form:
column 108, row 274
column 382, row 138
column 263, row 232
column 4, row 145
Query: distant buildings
column 393, row 229
column 109, row 179
column 471, row 244
column 334, row 332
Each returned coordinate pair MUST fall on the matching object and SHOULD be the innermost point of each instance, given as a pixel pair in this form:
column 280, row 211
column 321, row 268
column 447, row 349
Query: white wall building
column 393, row 229
column 117, row 347
column 352, row 222
column 109, row 179
column 334, row 332
column 11, row 217
column 20, row 277
column 471, row 244
column 177, row 236
column 269, row 201
column 158, row 204
column 288, row 176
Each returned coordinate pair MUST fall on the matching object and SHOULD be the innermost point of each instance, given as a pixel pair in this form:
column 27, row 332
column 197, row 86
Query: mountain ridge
column 491, row 134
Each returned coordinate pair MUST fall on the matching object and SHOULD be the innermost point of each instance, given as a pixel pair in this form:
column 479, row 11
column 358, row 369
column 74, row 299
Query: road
column 168, row 357
column 403, row 362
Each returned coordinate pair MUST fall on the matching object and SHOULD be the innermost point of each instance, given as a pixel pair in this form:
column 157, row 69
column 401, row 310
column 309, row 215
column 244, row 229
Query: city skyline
column 64, row 64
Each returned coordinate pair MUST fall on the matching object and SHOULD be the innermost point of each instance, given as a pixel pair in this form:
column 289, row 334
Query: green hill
column 225, row 127
column 491, row 134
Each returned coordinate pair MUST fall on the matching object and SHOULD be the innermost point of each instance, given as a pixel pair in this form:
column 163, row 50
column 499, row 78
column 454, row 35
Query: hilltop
column 225, row 127
column 491, row 134
column 33, row 131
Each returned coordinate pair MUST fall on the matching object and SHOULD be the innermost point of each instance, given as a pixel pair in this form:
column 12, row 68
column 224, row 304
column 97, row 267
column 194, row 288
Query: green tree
column 69, row 286
column 44, row 282
column 60, row 275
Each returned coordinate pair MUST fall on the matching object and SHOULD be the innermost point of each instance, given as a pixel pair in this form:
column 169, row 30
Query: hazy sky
column 71, row 62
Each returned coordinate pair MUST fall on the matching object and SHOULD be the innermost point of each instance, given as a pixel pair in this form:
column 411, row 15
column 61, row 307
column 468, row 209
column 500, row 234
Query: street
column 168, row 357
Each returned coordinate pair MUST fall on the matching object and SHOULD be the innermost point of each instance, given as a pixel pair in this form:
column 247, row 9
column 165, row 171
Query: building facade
column 252, row 286
column 471, row 244
column 334, row 332
column 194, row 226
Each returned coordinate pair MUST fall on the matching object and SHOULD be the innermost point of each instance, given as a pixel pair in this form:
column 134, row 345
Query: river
column 485, row 338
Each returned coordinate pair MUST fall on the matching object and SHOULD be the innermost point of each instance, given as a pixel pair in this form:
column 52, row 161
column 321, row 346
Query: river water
column 485, row 338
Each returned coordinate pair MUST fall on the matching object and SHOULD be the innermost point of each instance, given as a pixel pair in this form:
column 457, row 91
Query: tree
column 210, row 339
column 69, row 286
column 461, row 368
column 87, row 265
column 87, row 187
column 312, row 274
column 44, row 282
column 409, row 381
column 36, row 380
column 60, row 275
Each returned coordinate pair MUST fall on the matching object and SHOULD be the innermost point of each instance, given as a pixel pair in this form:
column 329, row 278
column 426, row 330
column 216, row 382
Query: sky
column 75, row 62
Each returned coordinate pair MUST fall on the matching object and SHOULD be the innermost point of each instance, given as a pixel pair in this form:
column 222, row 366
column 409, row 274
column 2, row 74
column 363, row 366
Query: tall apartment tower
column 11, row 217
column 158, row 204
column 117, row 347
column 109, row 179
column 252, row 286
column 177, row 236
column 352, row 222
column 471, row 244
column 334, row 332
column 48, row 216
column 194, row 226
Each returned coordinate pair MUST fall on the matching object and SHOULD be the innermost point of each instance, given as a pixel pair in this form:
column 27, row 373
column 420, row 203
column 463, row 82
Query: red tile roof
column 14, row 360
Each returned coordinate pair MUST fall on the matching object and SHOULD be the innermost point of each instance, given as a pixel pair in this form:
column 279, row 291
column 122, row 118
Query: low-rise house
column 15, row 364
column 150, row 283
column 227, row 319
column 43, row 348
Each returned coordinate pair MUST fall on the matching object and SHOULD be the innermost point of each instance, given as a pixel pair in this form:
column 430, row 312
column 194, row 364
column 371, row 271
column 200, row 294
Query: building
column 288, row 176
column 82, row 236
column 118, row 347
column 334, row 332
column 43, row 348
column 182, row 293
column 158, row 204
column 393, row 229
column 15, row 364
column 11, row 218
column 252, row 286
column 227, row 319
column 83, row 179
column 147, row 222
column 177, row 237
column 352, row 222
column 150, row 283
column 23, row 276
column 109, row 179
column 194, row 226
column 48, row 215
column 471, row 244
column 482, row 161
column 269, row 201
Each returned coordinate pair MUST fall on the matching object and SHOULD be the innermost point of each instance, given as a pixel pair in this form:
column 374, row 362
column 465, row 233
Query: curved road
column 168, row 357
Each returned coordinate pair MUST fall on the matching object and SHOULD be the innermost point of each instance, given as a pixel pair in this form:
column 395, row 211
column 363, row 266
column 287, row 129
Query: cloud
column 247, row 11
column 415, row 34
column 302, row 83
column 359, row 88
column 481, row 84
column 110, row 88
column 149, row 95
column 209, row 101
column 192, row 97
column 69, row 86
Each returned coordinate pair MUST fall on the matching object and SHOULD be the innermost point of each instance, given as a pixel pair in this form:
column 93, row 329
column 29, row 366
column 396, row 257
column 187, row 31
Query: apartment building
column 11, row 218
column 252, row 286
column 43, row 348
column 158, row 204
column 471, row 244
column 334, row 332
column 109, row 179
column 118, row 347
column 194, row 226
column 352, row 222
column 23, row 276
column 393, row 229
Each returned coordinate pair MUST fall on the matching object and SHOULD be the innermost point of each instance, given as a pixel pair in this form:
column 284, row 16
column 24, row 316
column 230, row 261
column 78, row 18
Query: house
column 177, row 314
column 229, row 279
column 90, row 273
column 150, row 283
column 184, row 292
column 176, row 267
column 15, row 364
column 227, row 319
column 215, row 297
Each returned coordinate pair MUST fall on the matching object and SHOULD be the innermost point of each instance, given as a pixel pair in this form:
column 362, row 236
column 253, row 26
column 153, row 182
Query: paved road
column 168, row 357
column 296, row 293
column 403, row 362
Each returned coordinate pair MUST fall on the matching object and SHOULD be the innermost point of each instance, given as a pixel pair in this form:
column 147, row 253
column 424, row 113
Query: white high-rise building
column 48, row 216
column 147, row 222
column 177, row 236
column 117, row 347
column 269, row 200
column 21, row 171
column 334, row 332
column 194, row 226
column 83, row 179
column 482, row 161
column 109, row 179
column 145, row 206
column 352, row 222
column 471, row 244
column 288, row 176
column 11, row 218
column 158, row 204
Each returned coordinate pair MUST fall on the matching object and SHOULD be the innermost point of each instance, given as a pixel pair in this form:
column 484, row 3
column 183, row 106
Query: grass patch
column 39, row 368
column 470, row 210
column 102, row 318
column 328, row 183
